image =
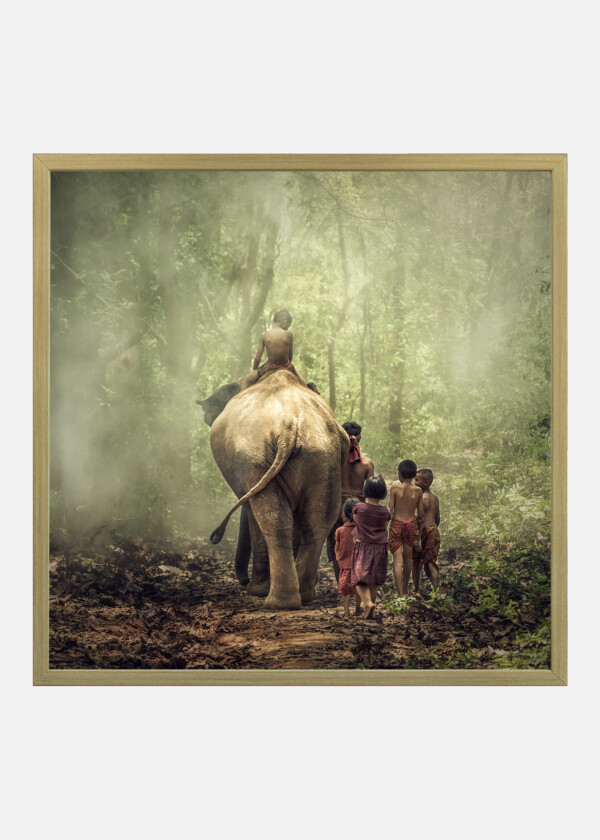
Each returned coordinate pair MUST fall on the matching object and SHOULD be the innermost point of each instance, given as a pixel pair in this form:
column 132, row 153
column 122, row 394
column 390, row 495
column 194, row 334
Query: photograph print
column 299, row 424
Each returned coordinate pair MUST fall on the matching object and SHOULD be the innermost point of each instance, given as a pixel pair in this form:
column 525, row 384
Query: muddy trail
column 138, row 606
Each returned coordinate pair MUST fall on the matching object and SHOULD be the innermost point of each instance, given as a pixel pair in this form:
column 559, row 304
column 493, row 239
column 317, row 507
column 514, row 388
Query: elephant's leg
column 331, row 542
column 260, row 583
column 307, row 565
column 296, row 542
column 274, row 517
column 331, row 548
column 315, row 530
column 244, row 548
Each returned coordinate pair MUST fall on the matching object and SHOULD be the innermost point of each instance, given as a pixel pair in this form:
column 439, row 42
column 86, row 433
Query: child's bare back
column 279, row 344
column 404, row 501
column 431, row 503
column 427, row 554
column 431, row 508
column 406, row 507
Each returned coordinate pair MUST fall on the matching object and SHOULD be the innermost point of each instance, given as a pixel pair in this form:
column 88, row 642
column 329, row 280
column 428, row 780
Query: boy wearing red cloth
column 358, row 467
column 427, row 554
column 279, row 344
column 406, row 507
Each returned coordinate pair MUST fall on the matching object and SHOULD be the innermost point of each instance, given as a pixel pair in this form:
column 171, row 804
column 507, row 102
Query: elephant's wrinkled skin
column 278, row 444
column 212, row 407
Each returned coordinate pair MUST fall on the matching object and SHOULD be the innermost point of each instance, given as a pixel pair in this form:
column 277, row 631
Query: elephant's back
column 252, row 421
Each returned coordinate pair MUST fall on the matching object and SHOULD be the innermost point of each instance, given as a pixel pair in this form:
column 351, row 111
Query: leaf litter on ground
column 145, row 606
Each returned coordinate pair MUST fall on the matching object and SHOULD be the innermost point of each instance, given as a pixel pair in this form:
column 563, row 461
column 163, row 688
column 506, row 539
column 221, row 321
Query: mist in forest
column 421, row 306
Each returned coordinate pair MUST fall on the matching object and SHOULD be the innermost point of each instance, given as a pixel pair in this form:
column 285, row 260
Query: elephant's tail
column 285, row 447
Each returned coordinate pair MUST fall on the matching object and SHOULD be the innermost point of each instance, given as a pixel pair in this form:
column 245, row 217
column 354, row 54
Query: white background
column 313, row 77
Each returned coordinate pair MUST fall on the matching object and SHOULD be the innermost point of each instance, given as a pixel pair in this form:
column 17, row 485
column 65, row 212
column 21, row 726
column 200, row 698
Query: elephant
column 212, row 407
column 281, row 450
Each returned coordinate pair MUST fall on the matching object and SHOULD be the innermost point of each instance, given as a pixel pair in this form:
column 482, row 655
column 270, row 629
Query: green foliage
column 432, row 288
column 492, row 609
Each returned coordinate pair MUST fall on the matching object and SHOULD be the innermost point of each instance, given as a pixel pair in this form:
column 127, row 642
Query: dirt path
column 145, row 608
column 170, row 618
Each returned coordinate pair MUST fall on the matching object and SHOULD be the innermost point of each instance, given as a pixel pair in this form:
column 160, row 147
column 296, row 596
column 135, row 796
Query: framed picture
column 277, row 329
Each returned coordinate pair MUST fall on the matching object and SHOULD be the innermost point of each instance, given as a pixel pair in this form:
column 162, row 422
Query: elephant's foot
column 258, row 588
column 283, row 601
column 307, row 595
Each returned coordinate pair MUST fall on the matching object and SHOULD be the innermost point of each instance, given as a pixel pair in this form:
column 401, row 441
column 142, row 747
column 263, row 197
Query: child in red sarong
column 344, row 546
column 369, row 558
column 405, row 501
column 427, row 554
column 279, row 344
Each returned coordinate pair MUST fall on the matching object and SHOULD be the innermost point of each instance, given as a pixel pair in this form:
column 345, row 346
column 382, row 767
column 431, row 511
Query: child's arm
column 437, row 513
column 337, row 546
column 392, row 501
column 420, row 516
column 291, row 351
column 259, row 352
column 354, row 537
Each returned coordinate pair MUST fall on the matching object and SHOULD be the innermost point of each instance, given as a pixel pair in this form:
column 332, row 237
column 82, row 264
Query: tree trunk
column 247, row 276
column 331, row 356
column 168, row 290
column 397, row 377
column 496, row 286
column 257, row 279
column 342, row 313
column 362, row 371
column 363, row 332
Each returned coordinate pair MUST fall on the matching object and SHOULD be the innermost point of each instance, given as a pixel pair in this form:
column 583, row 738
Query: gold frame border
column 44, row 165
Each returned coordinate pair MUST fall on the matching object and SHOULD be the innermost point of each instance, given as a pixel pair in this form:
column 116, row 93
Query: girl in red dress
column 369, row 558
column 344, row 546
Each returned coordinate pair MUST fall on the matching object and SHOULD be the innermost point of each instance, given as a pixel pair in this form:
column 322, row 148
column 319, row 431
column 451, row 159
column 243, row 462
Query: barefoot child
column 430, row 535
column 344, row 546
column 279, row 344
column 369, row 558
column 406, row 507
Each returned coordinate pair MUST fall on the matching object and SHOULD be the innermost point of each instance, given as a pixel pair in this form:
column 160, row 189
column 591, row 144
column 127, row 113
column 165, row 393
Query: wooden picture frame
column 45, row 165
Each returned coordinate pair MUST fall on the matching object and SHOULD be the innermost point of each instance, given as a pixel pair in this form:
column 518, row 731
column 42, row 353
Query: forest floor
column 141, row 606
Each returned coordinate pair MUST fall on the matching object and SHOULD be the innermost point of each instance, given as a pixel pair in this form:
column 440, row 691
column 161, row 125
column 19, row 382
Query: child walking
column 430, row 535
column 344, row 546
column 405, row 500
column 369, row 558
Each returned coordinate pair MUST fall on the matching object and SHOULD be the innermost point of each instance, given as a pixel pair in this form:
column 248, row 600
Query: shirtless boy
column 406, row 507
column 358, row 467
column 355, row 472
column 430, row 535
column 279, row 344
